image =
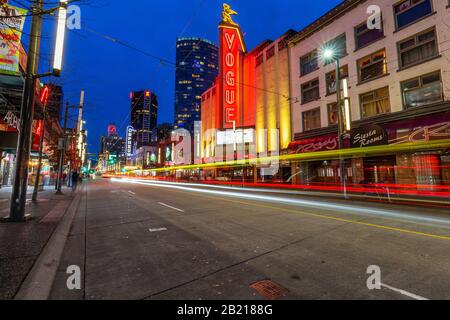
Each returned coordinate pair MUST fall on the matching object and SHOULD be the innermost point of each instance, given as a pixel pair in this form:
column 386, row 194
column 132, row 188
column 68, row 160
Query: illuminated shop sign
column 12, row 120
column 230, row 71
column 368, row 136
column 232, row 47
column 38, row 127
column 427, row 133
column 168, row 154
column 44, row 95
column 129, row 141
column 324, row 143
column 231, row 137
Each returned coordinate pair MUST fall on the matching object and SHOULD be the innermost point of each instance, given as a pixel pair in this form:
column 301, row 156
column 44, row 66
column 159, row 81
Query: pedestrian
column 69, row 179
column 75, row 178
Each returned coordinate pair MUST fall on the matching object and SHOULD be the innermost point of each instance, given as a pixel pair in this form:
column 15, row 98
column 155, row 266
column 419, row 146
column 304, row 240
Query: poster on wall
column 11, row 27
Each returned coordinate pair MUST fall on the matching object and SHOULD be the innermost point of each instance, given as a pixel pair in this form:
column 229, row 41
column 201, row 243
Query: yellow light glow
column 345, row 85
column 348, row 121
column 325, row 155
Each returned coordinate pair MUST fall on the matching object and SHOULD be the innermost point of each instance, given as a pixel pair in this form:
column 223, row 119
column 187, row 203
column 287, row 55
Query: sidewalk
column 22, row 243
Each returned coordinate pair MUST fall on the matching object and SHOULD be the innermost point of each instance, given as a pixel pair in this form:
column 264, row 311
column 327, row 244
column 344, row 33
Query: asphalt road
column 167, row 241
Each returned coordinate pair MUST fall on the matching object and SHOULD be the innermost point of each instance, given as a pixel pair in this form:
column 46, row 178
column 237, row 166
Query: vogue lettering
column 230, row 71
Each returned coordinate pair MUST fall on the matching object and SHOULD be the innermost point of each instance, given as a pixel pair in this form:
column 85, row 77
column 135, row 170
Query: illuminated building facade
column 112, row 150
column 399, row 86
column 144, row 115
column 197, row 68
column 55, row 105
column 248, row 105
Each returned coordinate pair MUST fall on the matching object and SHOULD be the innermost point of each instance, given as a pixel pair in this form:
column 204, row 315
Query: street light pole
column 341, row 119
column 64, row 144
column 19, row 191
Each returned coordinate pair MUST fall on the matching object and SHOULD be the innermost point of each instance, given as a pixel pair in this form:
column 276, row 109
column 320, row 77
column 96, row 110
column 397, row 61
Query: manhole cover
column 269, row 289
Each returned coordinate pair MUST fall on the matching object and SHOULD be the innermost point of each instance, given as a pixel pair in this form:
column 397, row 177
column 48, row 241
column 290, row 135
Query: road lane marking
column 131, row 192
column 403, row 292
column 170, row 207
column 157, row 230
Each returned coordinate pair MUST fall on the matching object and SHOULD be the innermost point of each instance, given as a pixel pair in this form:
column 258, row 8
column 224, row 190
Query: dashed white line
column 131, row 192
column 170, row 207
column 403, row 292
column 157, row 230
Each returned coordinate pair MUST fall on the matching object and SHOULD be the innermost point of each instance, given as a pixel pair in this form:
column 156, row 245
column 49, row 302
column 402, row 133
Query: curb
column 39, row 281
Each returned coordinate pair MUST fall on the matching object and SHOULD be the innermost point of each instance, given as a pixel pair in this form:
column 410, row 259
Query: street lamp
column 60, row 36
column 330, row 54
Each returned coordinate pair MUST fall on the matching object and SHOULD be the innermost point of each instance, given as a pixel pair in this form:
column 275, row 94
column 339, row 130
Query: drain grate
column 269, row 289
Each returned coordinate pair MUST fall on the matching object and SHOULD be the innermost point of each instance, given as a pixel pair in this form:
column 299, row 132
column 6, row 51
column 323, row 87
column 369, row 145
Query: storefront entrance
column 379, row 170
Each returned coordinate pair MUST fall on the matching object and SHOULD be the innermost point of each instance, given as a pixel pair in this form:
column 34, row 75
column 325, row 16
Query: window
column 311, row 119
column 422, row 90
column 331, row 79
column 375, row 102
column 372, row 66
column 420, row 47
column 333, row 113
column 364, row 36
column 409, row 11
column 310, row 91
column 339, row 46
column 259, row 59
column 309, row 63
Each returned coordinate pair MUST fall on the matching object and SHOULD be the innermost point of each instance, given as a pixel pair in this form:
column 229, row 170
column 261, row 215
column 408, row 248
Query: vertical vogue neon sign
column 230, row 72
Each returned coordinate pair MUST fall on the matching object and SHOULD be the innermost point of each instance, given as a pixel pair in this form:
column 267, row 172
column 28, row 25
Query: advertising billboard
column 13, row 19
column 231, row 137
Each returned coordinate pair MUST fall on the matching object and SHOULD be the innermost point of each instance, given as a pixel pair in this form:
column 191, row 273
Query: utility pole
column 64, row 143
column 19, row 191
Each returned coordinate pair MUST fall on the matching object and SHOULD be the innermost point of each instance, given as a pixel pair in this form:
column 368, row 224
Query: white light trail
column 313, row 204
